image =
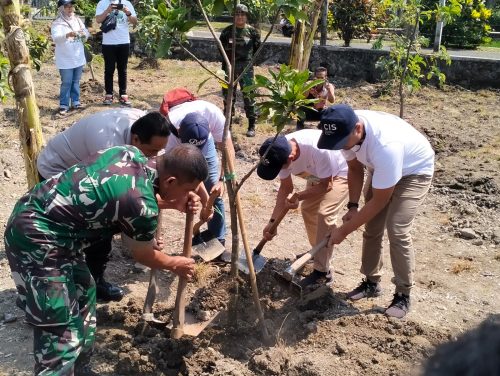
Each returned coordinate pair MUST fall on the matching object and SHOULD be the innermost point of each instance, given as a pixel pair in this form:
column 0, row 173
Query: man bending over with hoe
column 116, row 127
column 326, row 190
column 113, row 191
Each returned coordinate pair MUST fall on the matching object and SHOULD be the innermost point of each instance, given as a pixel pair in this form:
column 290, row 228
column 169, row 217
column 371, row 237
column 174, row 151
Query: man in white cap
column 400, row 163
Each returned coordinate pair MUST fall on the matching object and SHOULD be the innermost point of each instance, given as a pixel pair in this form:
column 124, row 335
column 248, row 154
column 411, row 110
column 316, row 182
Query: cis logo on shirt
column 329, row 128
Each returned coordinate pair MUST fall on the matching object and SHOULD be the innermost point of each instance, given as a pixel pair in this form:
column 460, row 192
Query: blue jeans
column 216, row 225
column 70, row 87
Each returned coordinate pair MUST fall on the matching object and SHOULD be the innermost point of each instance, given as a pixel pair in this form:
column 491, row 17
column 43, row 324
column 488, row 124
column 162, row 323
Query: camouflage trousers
column 59, row 299
column 248, row 102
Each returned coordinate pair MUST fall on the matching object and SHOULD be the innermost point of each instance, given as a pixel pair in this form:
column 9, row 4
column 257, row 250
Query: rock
column 203, row 315
column 306, row 316
column 340, row 348
column 7, row 174
column 467, row 233
column 477, row 242
column 139, row 268
column 311, row 327
column 8, row 317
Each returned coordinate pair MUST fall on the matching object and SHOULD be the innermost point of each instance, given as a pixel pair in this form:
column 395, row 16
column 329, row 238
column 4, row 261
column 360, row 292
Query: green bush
column 495, row 18
column 352, row 19
column 468, row 30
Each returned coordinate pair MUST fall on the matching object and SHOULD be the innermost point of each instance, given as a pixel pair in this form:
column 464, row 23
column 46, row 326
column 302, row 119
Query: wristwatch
column 352, row 205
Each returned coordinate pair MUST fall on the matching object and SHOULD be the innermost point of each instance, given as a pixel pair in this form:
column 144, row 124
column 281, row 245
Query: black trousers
column 115, row 55
column 97, row 256
column 310, row 115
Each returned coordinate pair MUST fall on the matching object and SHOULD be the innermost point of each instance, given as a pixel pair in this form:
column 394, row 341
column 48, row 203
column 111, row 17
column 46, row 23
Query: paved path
column 483, row 53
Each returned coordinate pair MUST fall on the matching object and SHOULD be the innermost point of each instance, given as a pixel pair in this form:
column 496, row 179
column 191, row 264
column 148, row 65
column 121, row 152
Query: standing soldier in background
column 247, row 43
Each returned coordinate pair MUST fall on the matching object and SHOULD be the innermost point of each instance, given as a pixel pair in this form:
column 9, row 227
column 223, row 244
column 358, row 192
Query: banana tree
column 30, row 131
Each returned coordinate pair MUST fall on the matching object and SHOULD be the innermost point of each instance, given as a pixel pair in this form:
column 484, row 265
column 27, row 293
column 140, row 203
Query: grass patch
column 203, row 272
column 493, row 43
column 463, row 265
column 218, row 26
column 253, row 199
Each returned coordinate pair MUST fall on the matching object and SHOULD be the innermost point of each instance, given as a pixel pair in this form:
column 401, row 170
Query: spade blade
column 259, row 262
column 207, row 246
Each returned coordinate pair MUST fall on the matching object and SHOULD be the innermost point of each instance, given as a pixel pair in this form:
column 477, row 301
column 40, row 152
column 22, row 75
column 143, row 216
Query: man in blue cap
column 194, row 129
column 326, row 190
column 400, row 163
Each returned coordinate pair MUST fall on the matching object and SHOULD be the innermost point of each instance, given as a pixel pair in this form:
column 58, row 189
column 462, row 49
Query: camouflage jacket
column 247, row 43
column 112, row 191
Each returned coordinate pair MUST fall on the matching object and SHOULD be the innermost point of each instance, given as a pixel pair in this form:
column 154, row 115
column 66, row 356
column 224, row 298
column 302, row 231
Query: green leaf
column 162, row 10
column 164, row 48
column 188, row 25
column 202, row 83
column 218, row 7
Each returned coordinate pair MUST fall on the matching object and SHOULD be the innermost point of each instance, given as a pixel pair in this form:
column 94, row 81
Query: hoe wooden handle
column 273, row 227
column 210, row 203
column 153, row 283
column 180, row 300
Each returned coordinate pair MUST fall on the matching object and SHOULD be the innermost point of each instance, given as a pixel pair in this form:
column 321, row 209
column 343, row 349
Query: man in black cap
column 400, row 163
column 246, row 44
column 326, row 191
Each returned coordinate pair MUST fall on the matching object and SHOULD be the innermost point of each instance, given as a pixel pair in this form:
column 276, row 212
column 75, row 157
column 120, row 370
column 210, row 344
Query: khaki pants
column 397, row 217
column 319, row 214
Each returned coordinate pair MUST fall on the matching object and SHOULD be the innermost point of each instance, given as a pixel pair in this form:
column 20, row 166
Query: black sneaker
column 316, row 278
column 399, row 307
column 366, row 289
column 106, row 292
column 251, row 133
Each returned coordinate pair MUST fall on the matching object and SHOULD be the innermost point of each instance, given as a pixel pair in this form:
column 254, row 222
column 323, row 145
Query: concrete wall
column 358, row 64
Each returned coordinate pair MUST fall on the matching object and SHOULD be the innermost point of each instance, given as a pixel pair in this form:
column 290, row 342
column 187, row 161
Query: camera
column 117, row 6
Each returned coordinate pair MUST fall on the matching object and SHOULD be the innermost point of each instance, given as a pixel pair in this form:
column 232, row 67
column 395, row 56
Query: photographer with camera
column 325, row 92
column 115, row 44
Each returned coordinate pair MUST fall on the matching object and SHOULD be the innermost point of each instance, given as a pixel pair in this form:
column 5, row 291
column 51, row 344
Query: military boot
column 106, row 292
column 251, row 128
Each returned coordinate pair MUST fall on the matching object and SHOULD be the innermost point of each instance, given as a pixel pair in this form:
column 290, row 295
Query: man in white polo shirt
column 326, row 189
column 214, row 120
column 122, row 126
column 400, row 164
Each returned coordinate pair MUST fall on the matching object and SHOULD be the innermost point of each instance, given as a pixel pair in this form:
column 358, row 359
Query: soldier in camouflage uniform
column 99, row 131
column 247, row 43
column 113, row 191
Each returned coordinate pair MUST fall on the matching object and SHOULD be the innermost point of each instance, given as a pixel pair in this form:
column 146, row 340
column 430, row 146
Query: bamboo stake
column 30, row 131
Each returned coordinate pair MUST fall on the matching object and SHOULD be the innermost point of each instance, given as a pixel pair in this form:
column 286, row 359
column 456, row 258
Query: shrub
column 352, row 19
column 467, row 30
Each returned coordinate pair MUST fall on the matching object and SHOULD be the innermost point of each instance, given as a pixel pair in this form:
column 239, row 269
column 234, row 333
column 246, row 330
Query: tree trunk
column 30, row 131
column 324, row 23
column 303, row 37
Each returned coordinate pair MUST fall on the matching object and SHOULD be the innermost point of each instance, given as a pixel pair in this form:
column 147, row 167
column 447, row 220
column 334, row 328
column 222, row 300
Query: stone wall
column 358, row 64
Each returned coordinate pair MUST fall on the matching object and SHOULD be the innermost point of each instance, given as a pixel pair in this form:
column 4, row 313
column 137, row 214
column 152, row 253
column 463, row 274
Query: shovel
column 260, row 261
column 287, row 276
column 205, row 244
column 147, row 314
column 184, row 323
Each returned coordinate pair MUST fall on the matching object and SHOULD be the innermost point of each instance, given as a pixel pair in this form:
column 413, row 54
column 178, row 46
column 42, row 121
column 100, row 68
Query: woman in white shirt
column 69, row 34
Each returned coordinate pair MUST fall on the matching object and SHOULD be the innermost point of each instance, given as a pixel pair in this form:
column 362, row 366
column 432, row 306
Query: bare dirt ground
column 456, row 238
